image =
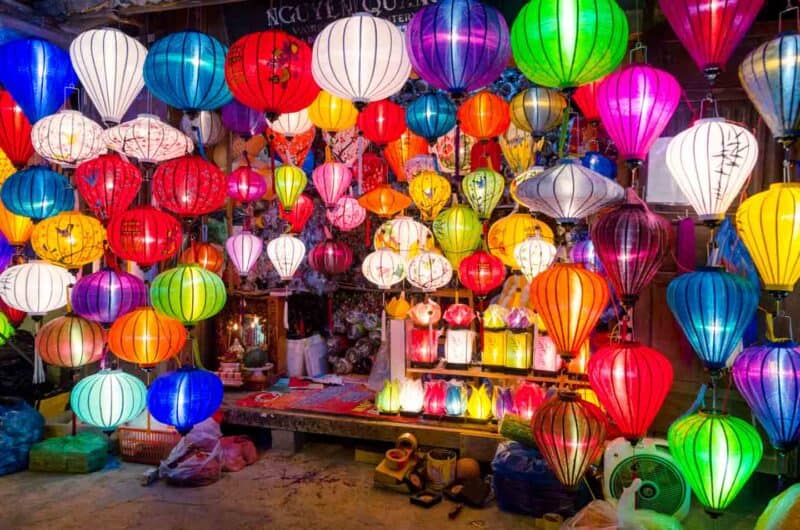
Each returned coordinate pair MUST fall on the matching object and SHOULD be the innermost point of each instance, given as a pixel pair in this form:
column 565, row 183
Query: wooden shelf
column 476, row 371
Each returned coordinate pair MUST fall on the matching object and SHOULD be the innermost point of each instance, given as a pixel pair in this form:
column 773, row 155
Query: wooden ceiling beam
column 172, row 6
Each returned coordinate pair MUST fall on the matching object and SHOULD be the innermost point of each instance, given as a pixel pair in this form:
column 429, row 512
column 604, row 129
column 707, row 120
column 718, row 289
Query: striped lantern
column 483, row 189
column 146, row 337
column 384, row 268
column 70, row 341
column 207, row 255
column 429, row 271
column 204, row 128
column 291, row 124
column 246, row 184
column 331, row 113
column 17, row 229
column 537, row 110
column 331, row 179
column 106, row 295
column 70, row 239
column 286, row 253
column 145, row 235
column 36, row 287
column 37, row 192
column 184, row 397
column 15, row 131
column 188, row 293
column 108, row 184
column 67, row 138
column 534, row 255
column 147, row 139
column 330, row 257
column 244, row 249
column 190, row 186
column 347, row 214
column 108, row 399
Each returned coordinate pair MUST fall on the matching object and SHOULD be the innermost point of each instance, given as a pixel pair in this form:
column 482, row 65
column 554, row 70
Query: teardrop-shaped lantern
column 429, row 271
column 246, row 185
column 484, row 115
column 291, row 124
column 67, row 138
column 35, row 287
column 382, row 121
column 108, row 399
column 518, row 148
column 385, row 201
column 70, row 239
column 483, row 189
column 509, row 231
column 458, row 231
column 15, row 131
column 330, row 257
column 299, row 215
column 290, row 181
column 331, row 180
column 400, row 151
column 331, row 113
column 147, row 139
column 537, row 110
column 286, row 253
column 534, row 255
column 108, row 184
column 145, row 235
column 481, row 273
column 185, row 397
column 37, row 193
column 107, row 295
column 188, row 293
column 190, row 186
column 244, row 249
column 384, row 268
column 713, row 308
column 347, row 214
column 146, row 337
column 207, row 255
column 431, row 116
column 70, row 341
column 430, row 192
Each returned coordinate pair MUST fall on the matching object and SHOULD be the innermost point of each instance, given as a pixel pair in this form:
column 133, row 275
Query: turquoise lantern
column 108, row 399
column 185, row 397
column 431, row 116
column 37, row 193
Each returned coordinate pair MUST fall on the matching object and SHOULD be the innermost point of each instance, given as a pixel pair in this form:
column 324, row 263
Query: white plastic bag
column 597, row 515
column 197, row 459
column 381, row 370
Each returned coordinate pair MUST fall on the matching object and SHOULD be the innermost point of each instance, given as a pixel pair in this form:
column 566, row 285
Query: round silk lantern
column 360, row 58
column 330, row 257
column 145, row 337
column 713, row 308
column 331, row 113
column 570, row 43
column 631, row 381
column 185, row 397
column 35, row 287
column 429, row 271
column 36, row 73
column 70, row 341
column 14, row 316
column 710, row 31
column 430, row 192
column 583, row 252
column 188, row 293
column 431, row 116
column 16, row 228
column 271, row 71
column 148, row 139
column 537, row 110
column 37, row 192
column 108, row 294
column 571, row 433
column 331, row 179
column 69, row 239
column 483, row 189
column 109, row 64
column 509, row 231
column 246, row 185
column 382, row 121
column 518, row 148
column 346, row 215
column 207, row 255
column 108, row 399
column 374, row 171
column 242, row 120
column 769, row 225
column 600, row 163
column 404, row 235
column 186, row 70
column 400, row 151
column 286, row 253
column 570, row 300
column 289, row 181
column 145, row 235
column 445, row 151
column 384, row 268
column 108, row 184
column 533, row 256
column 384, row 201
column 484, row 115
column 768, row 377
column 458, row 45
column 67, row 138
column 299, row 215
column 458, row 231
column 717, row 454
column 291, row 124
column 636, row 104
column 244, row 249
column 481, row 272
column 204, row 127
column 426, row 314
column 15, row 131
column 190, row 186
column 585, row 97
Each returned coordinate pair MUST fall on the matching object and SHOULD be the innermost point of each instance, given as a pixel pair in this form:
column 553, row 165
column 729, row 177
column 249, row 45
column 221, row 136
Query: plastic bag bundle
column 20, row 427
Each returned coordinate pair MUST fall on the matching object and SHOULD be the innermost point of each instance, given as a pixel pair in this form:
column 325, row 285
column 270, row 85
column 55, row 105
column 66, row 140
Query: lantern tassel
column 38, row 366
column 286, row 313
column 383, row 320
column 360, row 162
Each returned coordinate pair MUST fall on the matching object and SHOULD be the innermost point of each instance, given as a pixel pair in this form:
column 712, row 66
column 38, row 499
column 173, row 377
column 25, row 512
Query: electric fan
column 663, row 490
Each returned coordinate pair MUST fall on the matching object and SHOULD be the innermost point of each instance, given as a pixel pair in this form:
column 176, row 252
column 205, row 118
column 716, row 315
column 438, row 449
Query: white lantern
column 67, row 138
column 568, row 192
column 384, row 268
column 458, row 347
column 109, row 65
column 533, row 256
column 244, row 250
column 291, row 123
column 361, row 58
column 347, row 214
column 205, row 124
column 35, row 287
column 711, row 162
column 331, row 180
column 148, row 139
column 545, row 355
column 403, row 234
column 286, row 253
column 429, row 271
column 412, row 396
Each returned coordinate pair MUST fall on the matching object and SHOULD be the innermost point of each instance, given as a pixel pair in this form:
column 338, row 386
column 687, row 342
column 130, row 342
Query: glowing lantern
column 244, row 250
column 537, row 110
column 15, row 131
column 384, row 268
column 485, row 154
column 481, row 272
column 204, row 128
column 185, row 397
column 35, row 287
column 387, row 399
column 331, row 113
column 188, row 293
column 713, row 308
column 585, row 97
column 579, row 364
column 397, row 307
column 434, row 398
column 147, row 139
column 290, row 181
column 427, row 313
column 360, row 58
column 445, row 151
column 411, row 396
column 404, row 235
column 571, row 433
column 636, row 104
column 527, row 398
column 108, row 399
column 6, row 329
column 429, row 271
column 567, row 44
column 384, row 201
column 299, row 215
column 458, row 231
column 69, row 239
column 717, row 454
column 479, row 404
column 190, row 186
column 483, row 189
column 502, row 402
column 242, row 120
column 347, row 214
column 292, row 123
column 145, row 235
column 533, row 256
column 108, row 184
column 509, row 231
column 423, row 346
column 459, row 346
column 545, row 355
column 570, row 300
column 246, row 185
column 631, row 381
column 67, row 138
column 382, row 122
column 431, row 116
column 207, row 255
column 286, row 253
column 430, row 192
column 330, row 257
column 400, row 151
column 484, row 115
column 455, row 403
column 374, row 171
column 16, row 228
column 331, row 180
column 106, row 295
column 583, row 252
column 459, row 315
column 146, row 337
column 495, row 342
column 519, row 149
column 37, row 192
column 70, row 341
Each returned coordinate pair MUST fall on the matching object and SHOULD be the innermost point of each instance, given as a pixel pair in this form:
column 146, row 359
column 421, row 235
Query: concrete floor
column 320, row 488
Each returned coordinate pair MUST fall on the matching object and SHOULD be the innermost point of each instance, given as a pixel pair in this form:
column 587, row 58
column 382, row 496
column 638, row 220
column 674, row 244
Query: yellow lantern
column 479, row 404
column 769, row 225
column 519, row 351
column 430, row 192
column 397, row 307
column 483, row 189
column 290, row 181
column 519, row 149
column 458, row 231
column 6, row 167
column 332, row 113
column 493, row 356
column 70, row 239
column 16, row 228
column 508, row 232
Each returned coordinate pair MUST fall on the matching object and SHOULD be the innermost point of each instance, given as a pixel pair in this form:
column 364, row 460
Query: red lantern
column 382, row 121
column 375, row 172
column 434, row 398
column 330, row 257
column 570, row 433
column 527, row 398
column 586, row 98
column 245, row 184
column 108, row 184
column 15, row 131
column 402, row 150
column 145, row 235
column 631, row 381
column 481, row 272
column 485, row 155
column 271, row 71
column 15, row 316
column 423, row 347
column 292, row 150
column 484, row 115
column 190, row 186
column 300, row 213
column 208, row 256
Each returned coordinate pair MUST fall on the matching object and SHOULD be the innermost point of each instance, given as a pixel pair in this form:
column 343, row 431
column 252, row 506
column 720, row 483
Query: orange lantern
column 16, row 228
column 484, row 115
column 402, row 150
column 384, row 201
column 70, row 341
column 208, row 256
column 146, row 337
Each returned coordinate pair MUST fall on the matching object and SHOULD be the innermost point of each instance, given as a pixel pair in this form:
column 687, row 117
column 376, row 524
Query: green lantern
column 717, row 454
column 188, row 293
column 483, row 189
column 289, row 181
column 6, row 329
column 387, row 400
column 458, row 231
column 567, row 43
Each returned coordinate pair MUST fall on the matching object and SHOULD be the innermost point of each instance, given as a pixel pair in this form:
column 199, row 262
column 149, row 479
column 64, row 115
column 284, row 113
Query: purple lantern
column 107, row 294
column 636, row 104
column 768, row 377
column 502, row 402
column 583, row 252
column 6, row 252
column 243, row 120
column 458, row 45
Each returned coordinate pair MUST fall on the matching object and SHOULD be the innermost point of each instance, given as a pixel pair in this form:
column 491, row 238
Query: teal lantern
column 37, row 193
column 108, row 399
column 188, row 293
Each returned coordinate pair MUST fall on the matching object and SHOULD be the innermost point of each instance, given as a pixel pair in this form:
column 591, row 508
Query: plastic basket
column 146, row 446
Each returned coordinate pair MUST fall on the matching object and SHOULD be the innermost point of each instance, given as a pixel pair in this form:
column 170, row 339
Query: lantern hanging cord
column 562, row 136
column 789, row 8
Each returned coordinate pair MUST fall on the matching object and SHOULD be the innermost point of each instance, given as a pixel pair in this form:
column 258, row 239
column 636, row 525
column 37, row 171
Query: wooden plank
column 476, row 371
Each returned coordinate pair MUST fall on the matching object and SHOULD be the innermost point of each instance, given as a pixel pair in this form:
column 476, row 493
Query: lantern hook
column 639, row 47
column 708, row 99
column 789, row 8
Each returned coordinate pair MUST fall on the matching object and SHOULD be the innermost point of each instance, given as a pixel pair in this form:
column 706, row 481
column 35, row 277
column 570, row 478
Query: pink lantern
column 636, row 104
column 527, row 398
column 347, row 214
column 330, row 257
column 434, row 398
column 245, row 184
column 331, row 180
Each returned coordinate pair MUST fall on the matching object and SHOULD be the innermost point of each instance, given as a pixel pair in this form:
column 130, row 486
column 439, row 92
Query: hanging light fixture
column 144, row 235
column 458, row 231
column 35, row 287
column 185, row 397
column 147, row 139
column 207, row 255
column 509, row 231
column 430, row 192
column 67, row 138
column 400, row 151
column 483, row 189
column 291, row 124
column 108, row 184
column 534, row 255
column 518, row 148
column 481, row 273
column 70, row 341
column 289, row 182
column 299, row 215
column 70, row 239
column 429, row 271
column 431, row 116
column 331, row 180
column 286, row 253
column 204, row 127
column 246, row 185
column 403, row 235
column 107, row 295
column 382, row 121
column 347, row 214
column 330, row 257
column 15, row 131
column 146, row 337
column 384, row 201
column 188, row 293
column 16, row 228
column 331, row 113
column 537, row 110
column 190, row 186
column 37, row 192
column 108, row 399
column 585, row 97
column 244, row 249
column 384, row 268
column 242, row 120
column 484, row 115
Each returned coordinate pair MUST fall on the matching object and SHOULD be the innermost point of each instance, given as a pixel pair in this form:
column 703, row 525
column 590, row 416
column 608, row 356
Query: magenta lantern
column 331, row 180
column 246, row 184
column 330, row 257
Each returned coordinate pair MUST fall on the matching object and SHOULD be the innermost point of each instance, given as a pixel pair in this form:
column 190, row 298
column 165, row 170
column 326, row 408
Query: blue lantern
column 187, row 71
column 37, row 193
column 599, row 163
column 185, row 397
column 37, row 74
column 713, row 308
column 455, row 403
column 431, row 116
column 108, row 399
